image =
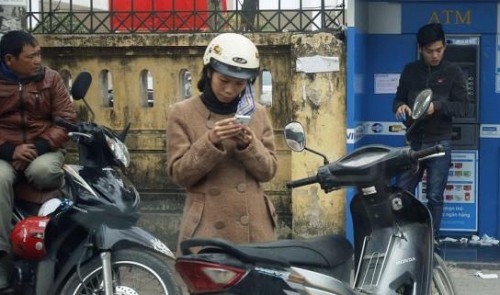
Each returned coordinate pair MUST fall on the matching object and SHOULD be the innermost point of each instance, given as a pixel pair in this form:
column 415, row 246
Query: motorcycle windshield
column 107, row 188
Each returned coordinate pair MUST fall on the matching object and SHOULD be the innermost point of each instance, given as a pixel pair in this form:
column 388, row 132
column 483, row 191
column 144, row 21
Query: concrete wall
column 317, row 100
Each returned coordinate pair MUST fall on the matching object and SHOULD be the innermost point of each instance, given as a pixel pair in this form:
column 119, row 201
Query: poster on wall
column 386, row 83
column 460, row 195
column 11, row 15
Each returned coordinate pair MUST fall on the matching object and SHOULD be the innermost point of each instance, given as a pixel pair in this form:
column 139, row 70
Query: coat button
column 210, row 124
column 214, row 191
column 241, row 188
column 220, row 225
column 244, row 220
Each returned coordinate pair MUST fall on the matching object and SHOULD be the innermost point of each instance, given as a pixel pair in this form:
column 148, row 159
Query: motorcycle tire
column 441, row 280
column 135, row 271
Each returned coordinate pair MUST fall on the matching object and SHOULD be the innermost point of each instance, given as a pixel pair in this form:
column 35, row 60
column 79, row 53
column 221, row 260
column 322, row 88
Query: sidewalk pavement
column 465, row 260
column 467, row 283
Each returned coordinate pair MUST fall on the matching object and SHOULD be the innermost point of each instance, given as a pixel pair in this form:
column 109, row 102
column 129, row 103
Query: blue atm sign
column 456, row 17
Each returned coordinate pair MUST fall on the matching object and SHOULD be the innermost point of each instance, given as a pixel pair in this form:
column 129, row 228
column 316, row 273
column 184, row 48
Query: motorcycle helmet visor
column 234, row 71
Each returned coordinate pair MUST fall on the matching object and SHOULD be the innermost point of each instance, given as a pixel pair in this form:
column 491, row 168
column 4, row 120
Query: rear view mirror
column 421, row 104
column 419, row 109
column 81, row 85
column 294, row 136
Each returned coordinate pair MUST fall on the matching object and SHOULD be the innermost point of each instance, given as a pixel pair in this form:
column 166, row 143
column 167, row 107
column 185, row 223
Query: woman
column 220, row 161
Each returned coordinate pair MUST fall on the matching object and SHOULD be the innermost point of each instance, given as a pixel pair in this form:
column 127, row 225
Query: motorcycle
column 393, row 251
column 86, row 240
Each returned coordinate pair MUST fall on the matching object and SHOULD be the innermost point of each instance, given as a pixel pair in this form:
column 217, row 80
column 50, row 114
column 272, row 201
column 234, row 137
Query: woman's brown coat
column 224, row 196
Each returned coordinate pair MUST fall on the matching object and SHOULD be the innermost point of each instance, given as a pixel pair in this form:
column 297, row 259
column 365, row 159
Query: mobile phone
column 243, row 119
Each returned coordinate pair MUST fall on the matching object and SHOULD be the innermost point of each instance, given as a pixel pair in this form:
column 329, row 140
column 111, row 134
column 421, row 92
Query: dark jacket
column 27, row 110
column 449, row 96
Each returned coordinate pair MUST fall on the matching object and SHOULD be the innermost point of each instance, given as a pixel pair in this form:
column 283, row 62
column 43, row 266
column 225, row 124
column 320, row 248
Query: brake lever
column 80, row 136
column 441, row 154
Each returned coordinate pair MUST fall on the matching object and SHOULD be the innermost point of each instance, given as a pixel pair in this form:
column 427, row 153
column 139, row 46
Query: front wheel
column 135, row 271
column 441, row 279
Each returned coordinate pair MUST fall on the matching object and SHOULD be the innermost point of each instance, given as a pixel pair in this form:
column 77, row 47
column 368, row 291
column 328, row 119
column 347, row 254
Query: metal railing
column 183, row 16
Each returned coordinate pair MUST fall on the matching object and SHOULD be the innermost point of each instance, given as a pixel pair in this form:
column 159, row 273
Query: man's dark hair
column 14, row 41
column 430, row 33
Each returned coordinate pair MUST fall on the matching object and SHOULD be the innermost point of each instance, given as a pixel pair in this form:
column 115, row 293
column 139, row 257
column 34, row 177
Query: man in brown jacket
column 220, row 160
column 31, row 145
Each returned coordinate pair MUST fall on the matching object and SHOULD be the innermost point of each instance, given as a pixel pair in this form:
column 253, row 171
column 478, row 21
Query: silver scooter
column 393, row 249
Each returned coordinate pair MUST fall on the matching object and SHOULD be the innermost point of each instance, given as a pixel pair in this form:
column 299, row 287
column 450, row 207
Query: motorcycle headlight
column 119, row 150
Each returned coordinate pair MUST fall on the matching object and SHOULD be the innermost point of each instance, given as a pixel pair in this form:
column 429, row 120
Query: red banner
column 160, row 15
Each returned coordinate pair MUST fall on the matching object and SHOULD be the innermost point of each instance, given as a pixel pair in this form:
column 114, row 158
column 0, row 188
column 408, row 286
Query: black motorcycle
column 89, row 243
column 393, row 249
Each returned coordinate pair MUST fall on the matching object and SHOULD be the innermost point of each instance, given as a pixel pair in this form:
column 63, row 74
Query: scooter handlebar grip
column 302, row 182
column 415, row 155
column 63, row 123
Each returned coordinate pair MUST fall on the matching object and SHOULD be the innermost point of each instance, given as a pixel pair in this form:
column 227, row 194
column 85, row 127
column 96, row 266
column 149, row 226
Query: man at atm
column 449, row 99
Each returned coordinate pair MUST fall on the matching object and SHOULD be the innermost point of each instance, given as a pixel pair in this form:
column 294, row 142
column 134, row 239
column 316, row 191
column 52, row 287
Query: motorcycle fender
column 374, row 217
column 107, row 238
column 44, row 277
column 368, row 216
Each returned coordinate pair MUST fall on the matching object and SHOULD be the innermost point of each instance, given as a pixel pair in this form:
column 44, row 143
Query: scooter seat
column 321, row 252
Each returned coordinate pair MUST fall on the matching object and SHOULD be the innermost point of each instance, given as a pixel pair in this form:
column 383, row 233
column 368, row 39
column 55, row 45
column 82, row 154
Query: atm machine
column 464, row 51
column 461, row 193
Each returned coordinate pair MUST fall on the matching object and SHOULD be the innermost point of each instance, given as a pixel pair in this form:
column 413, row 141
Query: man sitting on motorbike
column 31, row 145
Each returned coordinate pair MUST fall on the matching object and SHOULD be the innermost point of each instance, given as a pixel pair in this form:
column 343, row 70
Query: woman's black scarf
column 216, row 106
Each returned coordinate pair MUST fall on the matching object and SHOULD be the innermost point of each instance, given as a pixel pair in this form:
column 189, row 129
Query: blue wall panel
column 489, row 105
column 356, row 89
column 387, row 55
column 489, row 148
column 489, row 163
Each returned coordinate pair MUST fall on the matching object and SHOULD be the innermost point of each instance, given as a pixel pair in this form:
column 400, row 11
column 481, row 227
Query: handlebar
column 302, row 182
column 416, row 155
column 356, row 169
column 63, row 123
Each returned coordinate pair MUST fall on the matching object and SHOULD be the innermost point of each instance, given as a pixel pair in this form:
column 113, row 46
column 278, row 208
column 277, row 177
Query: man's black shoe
column 5, row 268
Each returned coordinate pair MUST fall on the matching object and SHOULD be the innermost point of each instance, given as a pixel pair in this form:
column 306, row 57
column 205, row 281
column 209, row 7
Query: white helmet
column 233, row 55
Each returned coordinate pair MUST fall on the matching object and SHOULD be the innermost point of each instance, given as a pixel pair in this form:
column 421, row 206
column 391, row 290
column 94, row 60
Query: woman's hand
column 244, row 138
column 230, row 129
column 224, row 129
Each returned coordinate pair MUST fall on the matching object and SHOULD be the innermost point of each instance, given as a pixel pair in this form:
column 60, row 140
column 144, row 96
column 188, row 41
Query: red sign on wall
column 160, row 15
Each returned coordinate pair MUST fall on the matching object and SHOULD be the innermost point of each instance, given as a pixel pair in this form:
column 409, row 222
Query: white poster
column 11, row 15
column 386, row 83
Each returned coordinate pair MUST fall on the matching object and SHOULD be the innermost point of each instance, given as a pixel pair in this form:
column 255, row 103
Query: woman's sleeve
column 259, row 158
column 189, row 159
